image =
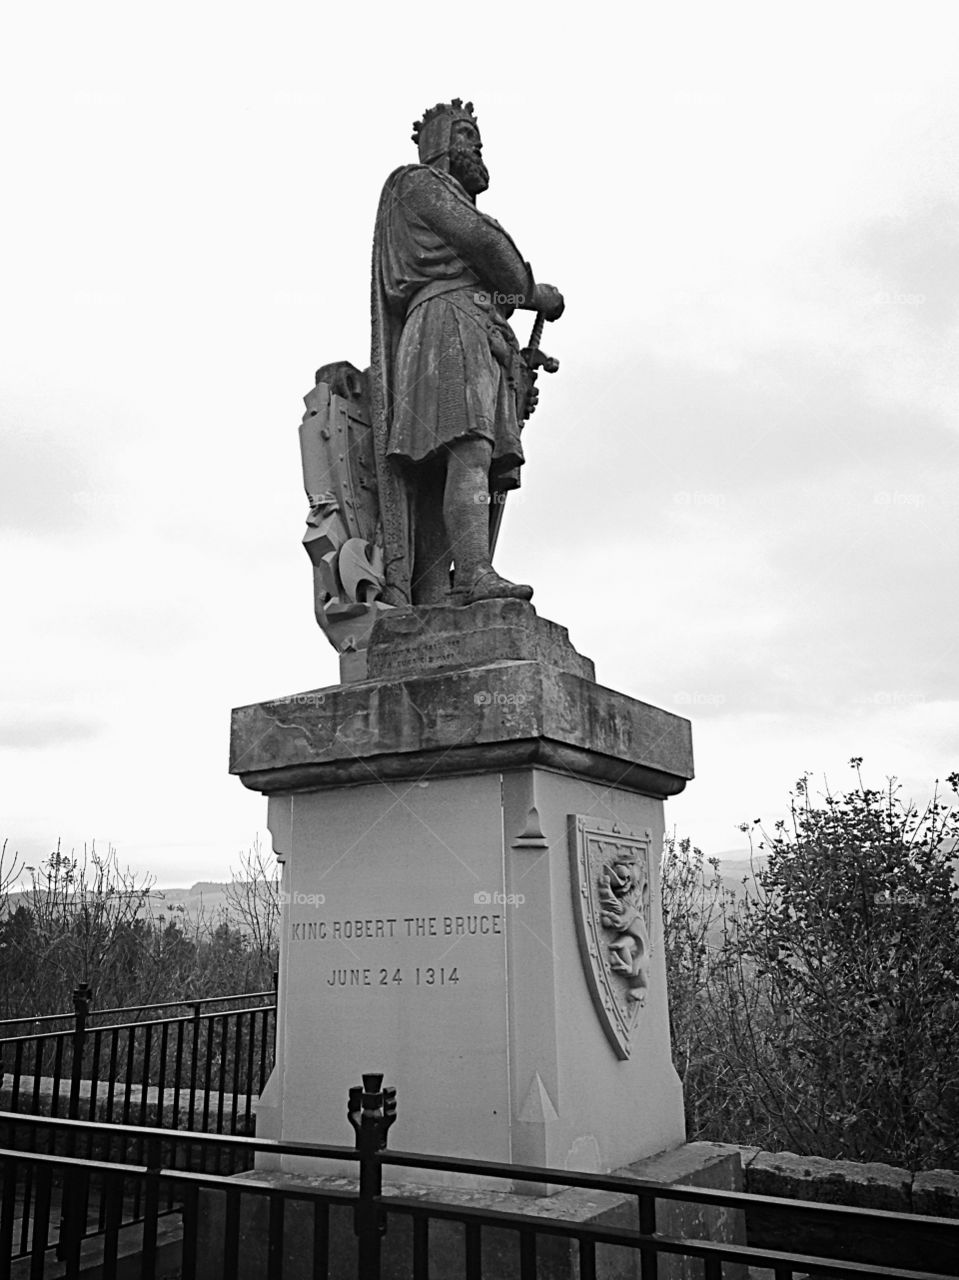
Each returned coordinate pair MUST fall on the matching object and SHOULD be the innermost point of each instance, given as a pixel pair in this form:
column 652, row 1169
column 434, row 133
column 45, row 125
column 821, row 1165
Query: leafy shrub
column 821, row 1011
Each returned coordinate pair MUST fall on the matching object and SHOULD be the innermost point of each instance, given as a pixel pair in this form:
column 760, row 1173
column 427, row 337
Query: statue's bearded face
column 466, row 157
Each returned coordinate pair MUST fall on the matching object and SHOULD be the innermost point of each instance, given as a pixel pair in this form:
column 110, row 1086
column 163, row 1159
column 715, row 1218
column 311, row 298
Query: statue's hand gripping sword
column 534, row 359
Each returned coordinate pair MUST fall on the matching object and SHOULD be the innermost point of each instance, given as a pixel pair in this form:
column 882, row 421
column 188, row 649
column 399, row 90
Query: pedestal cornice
column 501, row 716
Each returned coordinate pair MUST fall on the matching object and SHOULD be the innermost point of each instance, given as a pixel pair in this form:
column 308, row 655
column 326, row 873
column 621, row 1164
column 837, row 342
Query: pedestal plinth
column 471, row 897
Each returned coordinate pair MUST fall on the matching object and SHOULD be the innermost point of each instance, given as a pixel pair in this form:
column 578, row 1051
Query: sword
column 536, row 337
column 534, row 359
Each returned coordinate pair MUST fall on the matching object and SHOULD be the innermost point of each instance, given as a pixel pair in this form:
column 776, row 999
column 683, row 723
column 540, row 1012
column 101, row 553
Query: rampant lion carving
column 612, row 895
column 624, row 903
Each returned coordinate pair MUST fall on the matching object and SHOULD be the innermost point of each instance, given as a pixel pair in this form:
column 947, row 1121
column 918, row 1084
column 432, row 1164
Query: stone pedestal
column 447, row 830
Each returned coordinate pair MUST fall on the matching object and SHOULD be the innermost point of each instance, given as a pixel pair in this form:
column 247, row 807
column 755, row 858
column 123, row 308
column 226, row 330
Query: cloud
column 915, row 257
column 62, row 450
column 40, row 731
column 42, row 480
column 768, row 536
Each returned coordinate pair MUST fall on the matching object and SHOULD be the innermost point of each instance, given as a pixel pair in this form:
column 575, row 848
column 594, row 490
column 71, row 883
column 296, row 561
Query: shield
column 342, row 536
column 336, row 442
column 611, row 904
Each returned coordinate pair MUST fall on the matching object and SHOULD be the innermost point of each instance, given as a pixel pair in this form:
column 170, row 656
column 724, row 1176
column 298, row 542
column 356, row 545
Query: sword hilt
column 536, row 359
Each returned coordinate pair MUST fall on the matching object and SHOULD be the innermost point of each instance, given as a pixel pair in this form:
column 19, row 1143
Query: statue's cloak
column 444, row 360
column 387, row 328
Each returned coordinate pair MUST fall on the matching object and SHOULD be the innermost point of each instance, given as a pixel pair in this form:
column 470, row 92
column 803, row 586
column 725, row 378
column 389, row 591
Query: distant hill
column 207, row 896
column 737, row 870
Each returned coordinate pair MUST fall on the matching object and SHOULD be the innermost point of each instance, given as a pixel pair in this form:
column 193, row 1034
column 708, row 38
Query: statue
column 407, row 465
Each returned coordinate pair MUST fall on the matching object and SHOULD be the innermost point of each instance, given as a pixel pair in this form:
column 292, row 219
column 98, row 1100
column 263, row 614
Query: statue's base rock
column 435, row 638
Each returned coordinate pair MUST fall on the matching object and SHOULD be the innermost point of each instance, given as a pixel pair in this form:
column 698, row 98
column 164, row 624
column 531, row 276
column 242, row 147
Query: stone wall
column 934, row 1193
column 868, row 1186
column 141, row 1109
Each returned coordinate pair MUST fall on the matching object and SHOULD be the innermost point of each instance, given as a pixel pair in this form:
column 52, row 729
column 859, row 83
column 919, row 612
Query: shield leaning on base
column 343, row 536
column 612, row 921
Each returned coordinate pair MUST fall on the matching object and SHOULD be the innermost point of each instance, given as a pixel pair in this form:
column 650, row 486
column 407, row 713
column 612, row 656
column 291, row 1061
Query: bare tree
column 253, row 902
column 79, row 907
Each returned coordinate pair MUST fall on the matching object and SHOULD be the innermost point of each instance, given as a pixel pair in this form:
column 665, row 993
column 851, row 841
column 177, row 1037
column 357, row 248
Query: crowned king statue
column 433, row 425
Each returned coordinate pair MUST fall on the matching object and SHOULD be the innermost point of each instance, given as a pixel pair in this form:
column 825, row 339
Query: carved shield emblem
column 611, row 903
column 336, row 443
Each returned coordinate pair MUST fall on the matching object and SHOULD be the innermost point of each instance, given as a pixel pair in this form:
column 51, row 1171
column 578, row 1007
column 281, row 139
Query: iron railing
column 198, row 1066
column 253, row 1226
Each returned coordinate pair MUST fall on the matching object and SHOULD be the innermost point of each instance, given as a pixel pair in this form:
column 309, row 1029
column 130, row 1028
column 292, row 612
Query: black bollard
column 371, row 1112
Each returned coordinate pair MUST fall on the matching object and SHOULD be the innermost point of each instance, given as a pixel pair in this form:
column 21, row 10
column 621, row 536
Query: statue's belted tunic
column 447, row 277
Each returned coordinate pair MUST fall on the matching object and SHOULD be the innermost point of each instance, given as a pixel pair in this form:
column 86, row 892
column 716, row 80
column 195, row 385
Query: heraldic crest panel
column 611, row 903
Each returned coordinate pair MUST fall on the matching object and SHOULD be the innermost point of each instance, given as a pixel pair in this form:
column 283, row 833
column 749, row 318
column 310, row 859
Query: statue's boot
column 466, row 513
column 486, row 584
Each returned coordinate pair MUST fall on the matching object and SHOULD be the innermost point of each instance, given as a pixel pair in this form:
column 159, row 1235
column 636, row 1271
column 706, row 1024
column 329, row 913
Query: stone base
column 448, row 842
column 443, row 637
column 700, row 1164
column 431, row 931
column 471, row 720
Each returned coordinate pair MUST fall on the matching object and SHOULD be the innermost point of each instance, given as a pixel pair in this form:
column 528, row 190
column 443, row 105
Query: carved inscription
column 396, row 927
column 400, row 930
column 420, row 977
column 425, row 655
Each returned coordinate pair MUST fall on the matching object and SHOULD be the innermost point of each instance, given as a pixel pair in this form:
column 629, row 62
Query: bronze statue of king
column 449, row 386
column 407, row 464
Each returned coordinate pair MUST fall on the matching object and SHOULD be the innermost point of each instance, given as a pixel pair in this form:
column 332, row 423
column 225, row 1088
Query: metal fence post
column 371, row 1111
column 194, row 1057
column 82, row 998
column 73, row 1197
column 276, row 1008
column 151, row 1207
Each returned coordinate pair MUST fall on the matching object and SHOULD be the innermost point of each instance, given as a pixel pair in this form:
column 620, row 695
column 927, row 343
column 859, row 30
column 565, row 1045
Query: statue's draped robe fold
column 445, row 362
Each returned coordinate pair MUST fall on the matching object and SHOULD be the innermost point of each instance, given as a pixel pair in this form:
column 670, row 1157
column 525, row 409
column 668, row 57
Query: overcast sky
column 741, row 488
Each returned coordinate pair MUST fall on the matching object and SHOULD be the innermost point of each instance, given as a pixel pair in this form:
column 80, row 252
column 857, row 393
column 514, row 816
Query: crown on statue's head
column 432, row 133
